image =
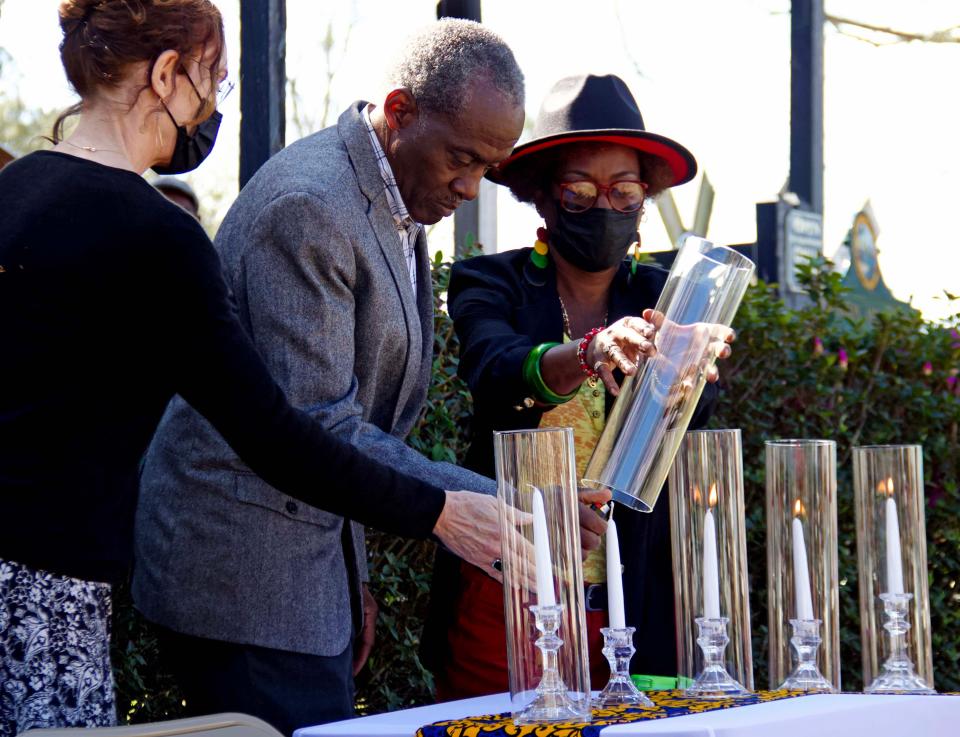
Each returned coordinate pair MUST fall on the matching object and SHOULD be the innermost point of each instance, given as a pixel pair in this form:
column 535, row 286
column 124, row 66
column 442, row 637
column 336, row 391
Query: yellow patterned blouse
column 584, row 413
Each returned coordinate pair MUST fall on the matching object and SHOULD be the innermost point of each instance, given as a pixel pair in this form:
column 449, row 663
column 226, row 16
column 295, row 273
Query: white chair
column 212, row 725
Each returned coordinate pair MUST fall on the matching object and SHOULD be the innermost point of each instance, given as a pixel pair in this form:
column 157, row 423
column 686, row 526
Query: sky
column 714, row 76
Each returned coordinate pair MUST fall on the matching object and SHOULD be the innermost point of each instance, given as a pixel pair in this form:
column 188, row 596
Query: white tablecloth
column 840, row 715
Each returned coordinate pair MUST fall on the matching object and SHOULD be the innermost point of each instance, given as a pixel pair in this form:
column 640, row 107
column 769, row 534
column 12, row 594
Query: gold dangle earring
column 159, row 132
column 636, row 255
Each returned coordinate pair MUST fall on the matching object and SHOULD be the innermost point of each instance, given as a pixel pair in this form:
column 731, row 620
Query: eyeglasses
column 224, row 86
column 624, row 196
column 223, row 90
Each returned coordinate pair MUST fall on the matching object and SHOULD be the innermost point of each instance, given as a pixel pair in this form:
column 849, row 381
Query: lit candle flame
column 890, row 486
column 798, row 509
column 882, row 488
column 697, row 496
column 712, row 499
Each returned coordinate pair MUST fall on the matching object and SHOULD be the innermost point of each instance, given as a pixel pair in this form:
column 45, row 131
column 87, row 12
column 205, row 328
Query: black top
column 500, row 314
column 112, row 300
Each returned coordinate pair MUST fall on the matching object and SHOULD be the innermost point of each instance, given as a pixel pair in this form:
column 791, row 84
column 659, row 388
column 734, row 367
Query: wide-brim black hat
column 596, row 108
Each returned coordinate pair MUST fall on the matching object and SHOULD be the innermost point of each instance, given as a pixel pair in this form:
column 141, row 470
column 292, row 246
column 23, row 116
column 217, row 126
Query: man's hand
column 364, row 642
column 592, row 525
column 469, row 526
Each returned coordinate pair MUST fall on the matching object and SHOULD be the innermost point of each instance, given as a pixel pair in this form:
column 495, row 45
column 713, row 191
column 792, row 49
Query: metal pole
column 474, row 222
column 466, row 9
column 263, row 82
column 806, row 102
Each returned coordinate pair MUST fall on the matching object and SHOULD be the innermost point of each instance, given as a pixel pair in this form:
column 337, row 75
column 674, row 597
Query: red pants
column 475, row 663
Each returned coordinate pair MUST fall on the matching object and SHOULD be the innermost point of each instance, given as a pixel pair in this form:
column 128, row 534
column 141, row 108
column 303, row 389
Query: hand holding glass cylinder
column 655, row 406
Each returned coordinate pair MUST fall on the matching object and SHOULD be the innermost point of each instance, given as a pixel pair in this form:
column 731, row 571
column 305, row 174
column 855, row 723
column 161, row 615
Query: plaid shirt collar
column 399, row 211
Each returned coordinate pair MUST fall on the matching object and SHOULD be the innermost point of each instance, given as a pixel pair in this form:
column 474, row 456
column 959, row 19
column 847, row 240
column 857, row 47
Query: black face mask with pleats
column 594, row 240
column 189, row 151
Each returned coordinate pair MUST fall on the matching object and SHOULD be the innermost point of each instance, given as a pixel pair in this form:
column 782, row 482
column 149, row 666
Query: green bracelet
column 534, row 379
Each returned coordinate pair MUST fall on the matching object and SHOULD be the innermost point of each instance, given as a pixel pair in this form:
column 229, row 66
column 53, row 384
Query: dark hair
column 102, row 38
column 537, row 172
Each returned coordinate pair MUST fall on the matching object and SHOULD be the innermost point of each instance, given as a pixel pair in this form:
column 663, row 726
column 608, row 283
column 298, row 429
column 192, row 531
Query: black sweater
column 111, row 301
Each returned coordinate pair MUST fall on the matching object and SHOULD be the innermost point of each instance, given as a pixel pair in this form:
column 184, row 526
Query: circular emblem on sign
column 863, row 252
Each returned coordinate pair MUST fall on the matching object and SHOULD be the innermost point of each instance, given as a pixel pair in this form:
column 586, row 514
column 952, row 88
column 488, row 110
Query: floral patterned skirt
column 54, row 651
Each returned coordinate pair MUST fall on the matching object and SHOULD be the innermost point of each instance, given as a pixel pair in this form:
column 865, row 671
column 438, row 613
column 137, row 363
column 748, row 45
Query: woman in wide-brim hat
column 546, row 336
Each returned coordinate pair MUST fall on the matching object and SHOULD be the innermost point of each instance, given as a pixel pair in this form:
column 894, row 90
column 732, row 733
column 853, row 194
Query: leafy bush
column 812, row 372
column 145, row 691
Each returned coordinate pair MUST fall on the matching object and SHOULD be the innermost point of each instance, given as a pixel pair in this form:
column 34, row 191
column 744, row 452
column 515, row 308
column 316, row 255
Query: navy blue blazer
column 500, row 313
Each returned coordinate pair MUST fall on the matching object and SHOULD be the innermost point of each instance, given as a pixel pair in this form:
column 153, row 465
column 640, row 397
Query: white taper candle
column 711, row 576
column 546, row 596
column 801, row 573
column 618, row 619
column 894, row 558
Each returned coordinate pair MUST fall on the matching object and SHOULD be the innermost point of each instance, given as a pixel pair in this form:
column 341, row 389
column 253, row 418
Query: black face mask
column 594, row 240
column 189, row 151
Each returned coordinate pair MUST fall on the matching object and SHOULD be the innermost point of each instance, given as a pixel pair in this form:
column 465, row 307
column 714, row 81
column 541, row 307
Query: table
column 821, row 715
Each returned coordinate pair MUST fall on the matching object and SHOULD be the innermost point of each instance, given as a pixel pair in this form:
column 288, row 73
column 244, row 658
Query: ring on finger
column 616, row 353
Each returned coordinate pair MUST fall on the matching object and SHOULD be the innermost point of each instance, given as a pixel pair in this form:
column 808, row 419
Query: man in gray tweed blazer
column 260, row 598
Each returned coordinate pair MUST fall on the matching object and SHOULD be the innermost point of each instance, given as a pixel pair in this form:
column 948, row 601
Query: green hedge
column 795, row 373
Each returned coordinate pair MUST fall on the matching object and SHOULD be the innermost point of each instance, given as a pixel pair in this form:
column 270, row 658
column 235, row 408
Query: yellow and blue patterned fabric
column 666, row 704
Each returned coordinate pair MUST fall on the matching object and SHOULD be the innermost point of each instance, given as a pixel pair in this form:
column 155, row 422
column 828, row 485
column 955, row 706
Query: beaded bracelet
column 582, row 352
column 534, row 379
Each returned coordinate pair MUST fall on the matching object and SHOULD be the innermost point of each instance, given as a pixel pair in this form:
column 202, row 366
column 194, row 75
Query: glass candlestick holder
column 898, row 675
column 708, row 541
column 643, row 430
column 802, row 561
column 806, row 675
column 543, row 589
column 551, row 701
column 714, row 682
column 892, row 569
column 620, row 689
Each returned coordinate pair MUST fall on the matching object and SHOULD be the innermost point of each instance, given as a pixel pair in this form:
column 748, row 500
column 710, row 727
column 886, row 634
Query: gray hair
column 438, row 63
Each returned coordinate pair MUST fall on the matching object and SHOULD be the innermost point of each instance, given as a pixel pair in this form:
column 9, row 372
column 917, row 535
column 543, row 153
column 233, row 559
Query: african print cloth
column 666, row 704
column 54, row 651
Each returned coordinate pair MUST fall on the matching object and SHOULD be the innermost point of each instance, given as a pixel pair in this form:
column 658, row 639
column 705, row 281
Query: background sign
column 803, row 239
column 863, row 251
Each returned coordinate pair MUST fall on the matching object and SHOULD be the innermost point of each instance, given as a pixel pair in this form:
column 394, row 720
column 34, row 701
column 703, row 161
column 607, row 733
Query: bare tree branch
column 893, row 36
column 303, row 121
column 626, row 42
column 332, row 68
